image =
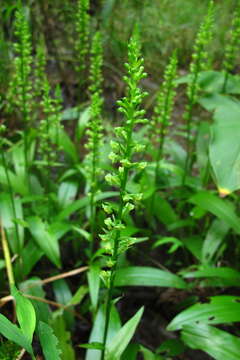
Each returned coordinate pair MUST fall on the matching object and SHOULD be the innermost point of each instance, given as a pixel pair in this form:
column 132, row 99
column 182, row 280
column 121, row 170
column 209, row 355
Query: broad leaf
column 221, row 309
column 224, row 150
column 147, row 276
column 228, row 276
column 45, row 239
column 217, row 343
column 34, row 287
column 219, row 207
column 66, row 193
column 25, row 313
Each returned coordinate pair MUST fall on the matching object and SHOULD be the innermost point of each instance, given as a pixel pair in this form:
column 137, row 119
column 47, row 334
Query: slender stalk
column 123, row 153
column 95, row 129
column 7, row 257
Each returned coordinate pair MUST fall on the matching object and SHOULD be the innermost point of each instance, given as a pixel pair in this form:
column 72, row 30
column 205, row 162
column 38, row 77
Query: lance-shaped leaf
column 147, row 276
column 217, row 343
column 14, row 334
column 45, row 239
column 25, row 313
column 120, row 341
column 221, row 309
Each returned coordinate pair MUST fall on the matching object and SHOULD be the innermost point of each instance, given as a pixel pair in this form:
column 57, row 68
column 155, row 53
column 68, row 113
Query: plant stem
column 7, row 257
column 92, row 199
column 11, row 196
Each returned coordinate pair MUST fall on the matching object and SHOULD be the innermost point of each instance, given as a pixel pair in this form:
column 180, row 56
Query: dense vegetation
column 119, row 178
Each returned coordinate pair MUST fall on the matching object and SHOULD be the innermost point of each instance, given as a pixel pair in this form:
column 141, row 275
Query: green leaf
column 14, row 334
column 228, row 276
column 217, row 343
column 212, row 82
column 49, row 342
column 82, row 123
column 219, row 207
column 81, row 203
column 15, row 236
column 63, row 296
column 226, row 163
column 94, row 283
column 131, row 352
column 149, row 355
column 118, row 344
column 25, row 313
column 93, row 345
column 30, row 255
column 221, row 309
column 70, row 114
column 45, row 239
column 79, row 295
column 163, row 210
column 18, row 185
column 214, row 238
column 212, row 101
column 66, row 193
column 68, row 146
column 147, row 276
column 34, row 287
column 98, row 330
column 64, row 338
column 171, row 347
column 175, row 243
column 194, row 245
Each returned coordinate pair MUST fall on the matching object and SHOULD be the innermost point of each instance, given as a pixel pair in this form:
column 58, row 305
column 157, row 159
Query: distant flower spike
column 95, row 129
column 82, row 33
column 163, row 109
column 198, row 64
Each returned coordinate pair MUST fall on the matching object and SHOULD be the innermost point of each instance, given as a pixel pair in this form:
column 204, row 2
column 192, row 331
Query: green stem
column 11, row 196
column 7, row 257
column 92, row 200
